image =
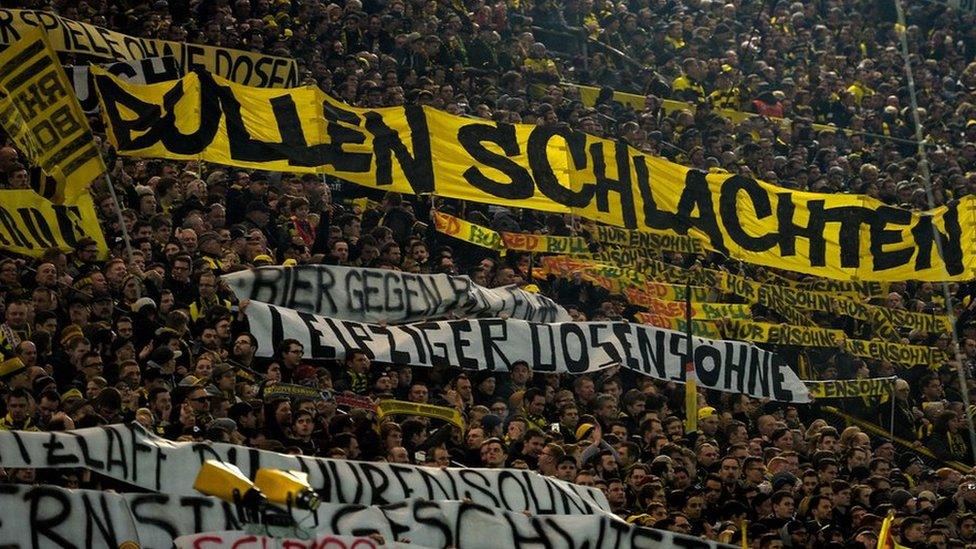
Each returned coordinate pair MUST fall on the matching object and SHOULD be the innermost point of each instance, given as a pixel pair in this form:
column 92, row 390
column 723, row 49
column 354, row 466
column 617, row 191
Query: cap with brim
column 191, row 381
column 706, row 412
column 42, row 383
column 208, row 235
column 12, row 366
column 263, row 257
column 143, row 302
column 69, row 333
column 221, row 369
column 225, row 423
column 71, row 394
column 583, row 431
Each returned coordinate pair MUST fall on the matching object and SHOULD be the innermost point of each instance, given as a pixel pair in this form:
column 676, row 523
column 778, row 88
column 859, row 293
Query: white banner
column 139, row 71
column 566, row 347
column 47, row 516
column 247, row 540
column 382, row 295
column 130, row 454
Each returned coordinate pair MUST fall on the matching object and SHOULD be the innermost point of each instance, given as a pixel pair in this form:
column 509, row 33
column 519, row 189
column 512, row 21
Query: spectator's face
column 693, row 507
column 18, row 408
column 566, row 470
column 442, row 458
column 340, row 250
column 537, row 406
column 500, row 409
column 681, row 525
column 274, row 372
column 463, row 388
column 828, row 444
column 293, row 355
column 616, row 495
column 359, row 363
column 586, row 391
column 914, row 533
column 17, row 315
column 783, row 509
column 933, row 389
column 785, row 441
column 46, row 408
column 243, row 348
column 283, row 413
column 675, row 430
column 180, row 271
column 475, row 437
column 162, row 405
column 492, row 455
column 199, row 401
column 304, row 425
column 222, row 328
column 810, row 484
column 399, row 455
column 487, row 386
column 204, row 368
column 533, row 446
column 967, row 529
column 730, row 470
column 418, row 393
column 755, row 472
column 47, row 275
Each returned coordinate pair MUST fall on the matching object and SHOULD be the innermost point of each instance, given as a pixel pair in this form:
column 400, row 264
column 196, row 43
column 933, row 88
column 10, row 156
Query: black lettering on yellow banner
column 773, row 297
column 29, row 224
column 847, row 388
column 701, row 328
column 401, row 407
column 467, row 231
column 68, row 36
column 852, row 288
column 896, row 353
column 646, row 240
column 420, row 150
column 781, row 334
column 39, row 110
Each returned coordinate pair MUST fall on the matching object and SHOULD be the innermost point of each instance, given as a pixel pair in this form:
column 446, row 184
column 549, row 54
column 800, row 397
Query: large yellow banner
column 68, row 36
column 29, row 224
column 419, row 150
column 40, row 112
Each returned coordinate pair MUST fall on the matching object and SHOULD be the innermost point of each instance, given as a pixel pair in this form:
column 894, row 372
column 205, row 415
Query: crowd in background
column 156, row 337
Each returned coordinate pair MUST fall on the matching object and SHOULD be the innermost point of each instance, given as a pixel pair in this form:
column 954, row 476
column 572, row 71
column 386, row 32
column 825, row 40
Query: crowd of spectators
column 156, row 337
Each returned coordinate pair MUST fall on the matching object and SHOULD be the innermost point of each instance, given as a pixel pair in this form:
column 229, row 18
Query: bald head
column 8, row 157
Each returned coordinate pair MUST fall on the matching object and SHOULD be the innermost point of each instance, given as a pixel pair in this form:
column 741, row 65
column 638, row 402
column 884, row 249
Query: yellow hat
column 707, row 412
column 71, row 394
column 11, row 367
column 263, row 257
column 583, row 430
column 290, row 262
column 531, row 288
column 69, row 333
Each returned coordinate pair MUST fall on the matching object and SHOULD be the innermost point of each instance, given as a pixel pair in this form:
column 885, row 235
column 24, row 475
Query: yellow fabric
column 401, row 407
column 419, row 150
column 39, row 109
column 75, row 37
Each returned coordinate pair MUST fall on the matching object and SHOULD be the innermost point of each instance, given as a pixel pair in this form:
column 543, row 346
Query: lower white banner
column 562, row 347
column 47, row 516
column 132, row 455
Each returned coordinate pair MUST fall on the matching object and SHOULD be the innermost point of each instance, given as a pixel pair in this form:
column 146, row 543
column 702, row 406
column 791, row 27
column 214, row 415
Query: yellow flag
column 40, row 111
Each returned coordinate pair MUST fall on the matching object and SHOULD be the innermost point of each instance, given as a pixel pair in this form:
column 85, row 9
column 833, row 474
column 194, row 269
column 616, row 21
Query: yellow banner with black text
column 846, row 388
column 420, row 150
column 39, row 111
column 75, row 37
